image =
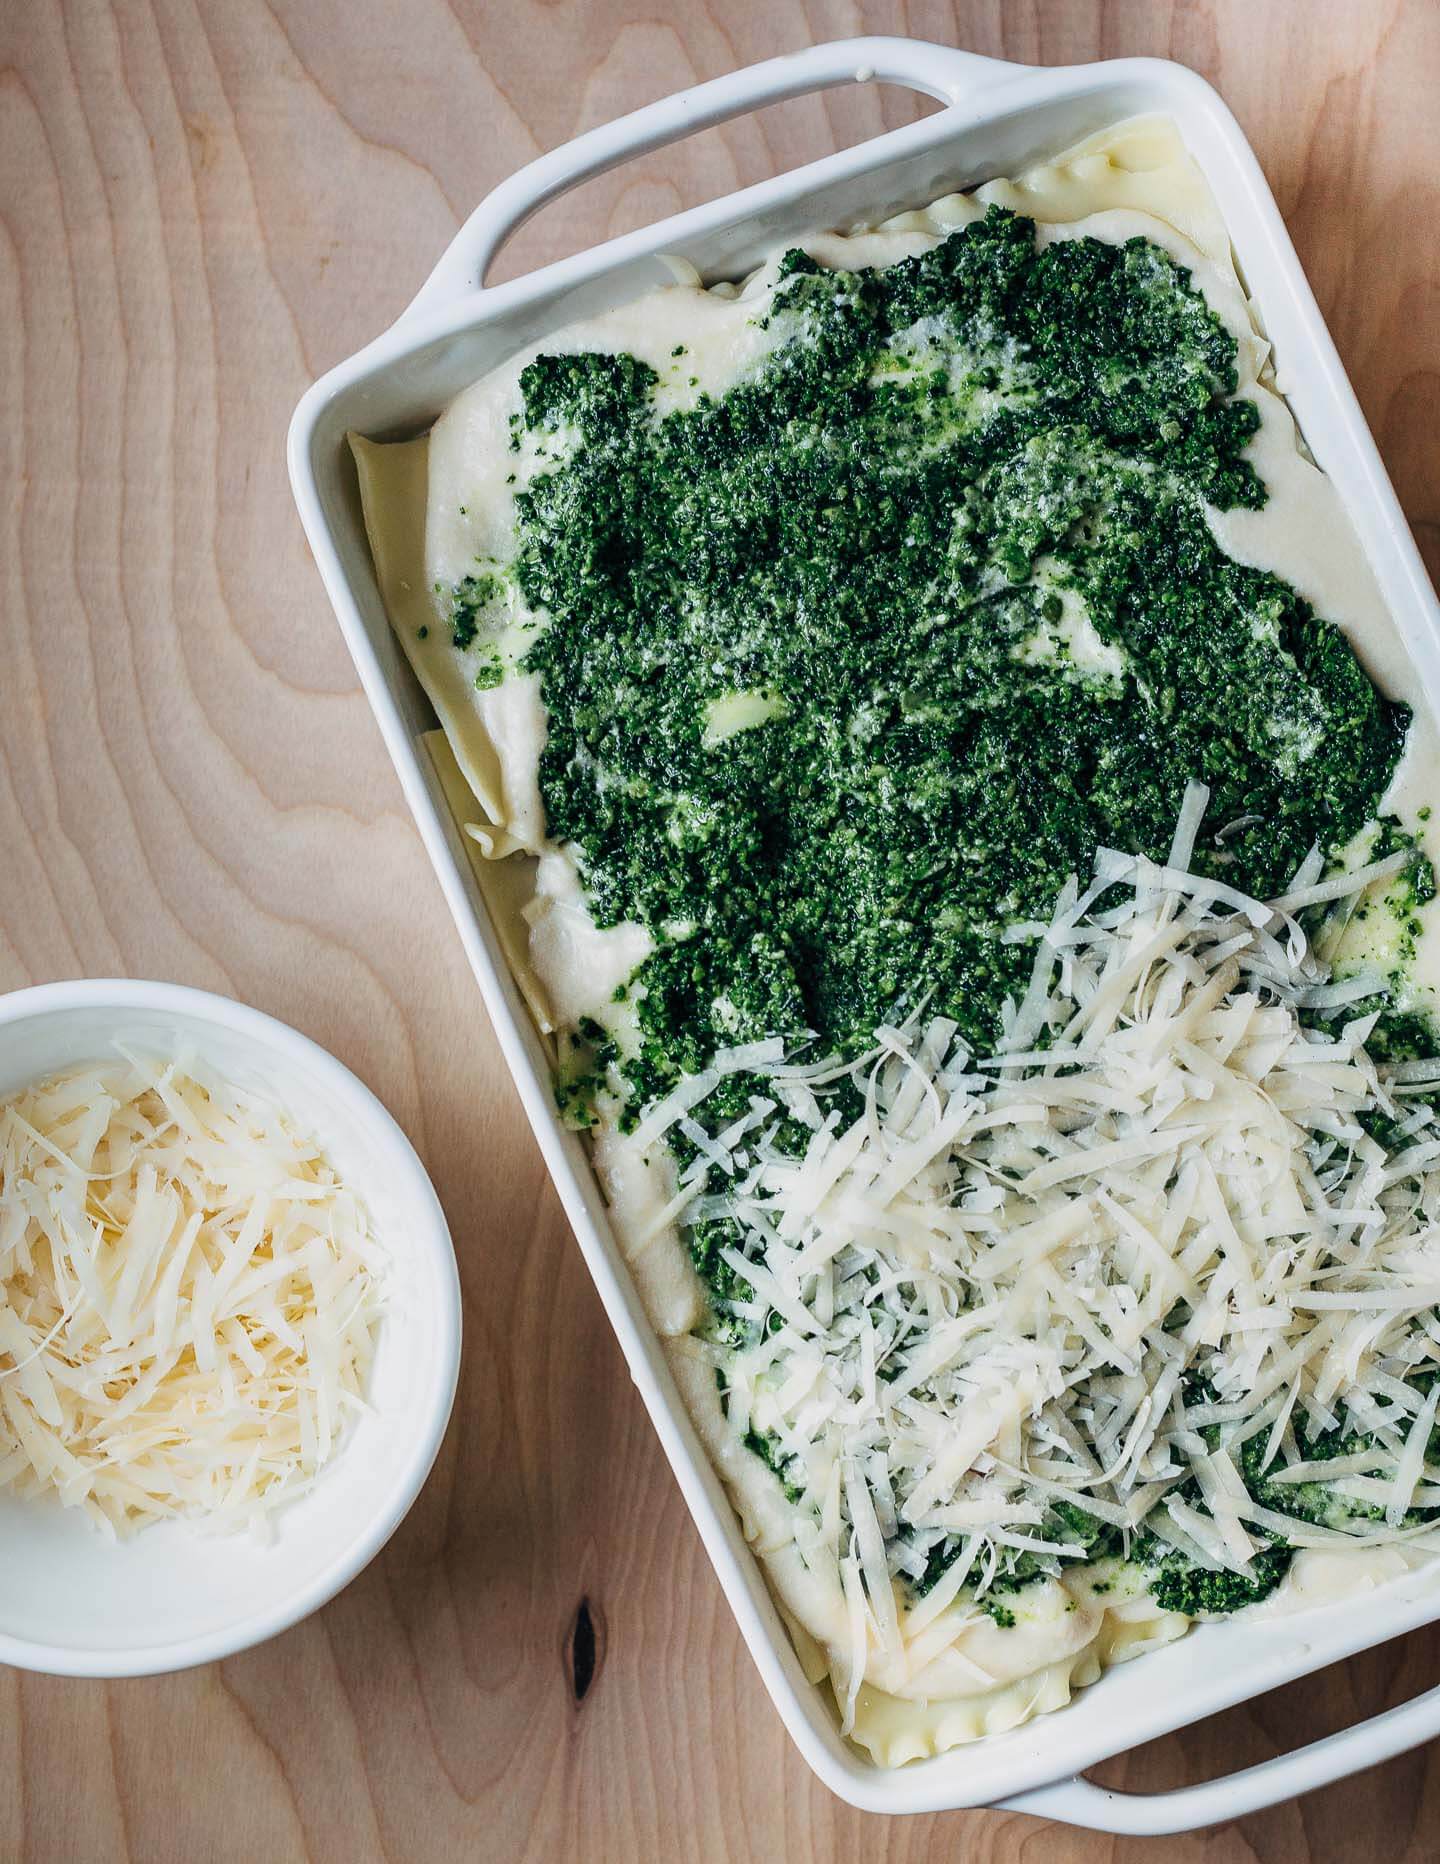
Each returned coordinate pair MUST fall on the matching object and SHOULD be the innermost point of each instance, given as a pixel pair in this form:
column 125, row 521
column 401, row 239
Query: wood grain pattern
column 204, row 203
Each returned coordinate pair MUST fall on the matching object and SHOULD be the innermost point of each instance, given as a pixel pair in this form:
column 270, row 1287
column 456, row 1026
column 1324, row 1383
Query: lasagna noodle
column 1136, row 179
column 896, row 1730
column 394, row 485
column 507, row 885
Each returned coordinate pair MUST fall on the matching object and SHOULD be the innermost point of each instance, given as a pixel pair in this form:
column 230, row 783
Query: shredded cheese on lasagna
column 189, row 1298
column 1089, row 1267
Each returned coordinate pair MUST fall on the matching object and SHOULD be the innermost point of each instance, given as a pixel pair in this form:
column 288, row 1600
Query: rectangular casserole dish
column 996, row 119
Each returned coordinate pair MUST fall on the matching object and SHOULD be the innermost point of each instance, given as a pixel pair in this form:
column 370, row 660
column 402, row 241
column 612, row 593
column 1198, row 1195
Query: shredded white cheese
column 189, row 1297
column 1005, row 1282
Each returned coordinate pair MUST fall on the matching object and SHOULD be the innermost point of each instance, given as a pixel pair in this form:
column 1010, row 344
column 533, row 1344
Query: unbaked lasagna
column 958, row 810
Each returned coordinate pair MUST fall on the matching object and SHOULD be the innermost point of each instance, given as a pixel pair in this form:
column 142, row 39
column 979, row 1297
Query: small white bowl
column 77, row 1604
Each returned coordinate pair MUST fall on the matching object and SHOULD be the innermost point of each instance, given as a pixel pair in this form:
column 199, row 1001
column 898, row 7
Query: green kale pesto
column 469, row 600
column 944, row 557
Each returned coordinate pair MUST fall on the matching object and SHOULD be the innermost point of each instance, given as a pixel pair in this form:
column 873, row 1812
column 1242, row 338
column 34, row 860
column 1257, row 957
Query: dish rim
column 454, row 303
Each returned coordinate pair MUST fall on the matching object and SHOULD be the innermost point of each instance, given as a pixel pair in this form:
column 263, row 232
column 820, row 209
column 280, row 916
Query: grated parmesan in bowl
column 229, row 1327
column 189, row 1297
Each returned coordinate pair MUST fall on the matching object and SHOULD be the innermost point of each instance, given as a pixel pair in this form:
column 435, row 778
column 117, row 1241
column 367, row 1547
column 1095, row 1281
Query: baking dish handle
column 1079, row 1801
column 938, row 70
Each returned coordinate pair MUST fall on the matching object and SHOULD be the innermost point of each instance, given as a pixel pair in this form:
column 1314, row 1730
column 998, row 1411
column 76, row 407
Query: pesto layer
column 847, row 669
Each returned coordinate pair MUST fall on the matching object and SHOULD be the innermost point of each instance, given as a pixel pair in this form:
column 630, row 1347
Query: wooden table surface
column 205, row 204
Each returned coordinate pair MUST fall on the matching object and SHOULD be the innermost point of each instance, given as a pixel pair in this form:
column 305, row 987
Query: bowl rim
column 429, row 1236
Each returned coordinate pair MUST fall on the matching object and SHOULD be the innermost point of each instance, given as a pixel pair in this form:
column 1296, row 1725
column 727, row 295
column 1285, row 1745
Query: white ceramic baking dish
column 996, row 118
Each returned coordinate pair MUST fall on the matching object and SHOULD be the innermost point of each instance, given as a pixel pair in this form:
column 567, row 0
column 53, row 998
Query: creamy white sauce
column 1304, row 535
column 1071, row 639
column 1321, row 1576
column 580, row 964
column 955, row 1674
